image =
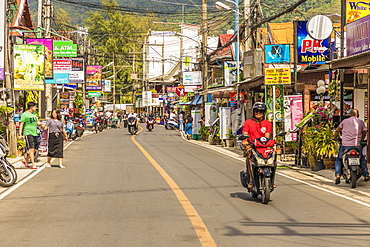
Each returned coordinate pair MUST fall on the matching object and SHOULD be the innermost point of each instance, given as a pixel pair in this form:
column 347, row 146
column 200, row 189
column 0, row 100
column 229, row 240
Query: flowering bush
column 321, row 116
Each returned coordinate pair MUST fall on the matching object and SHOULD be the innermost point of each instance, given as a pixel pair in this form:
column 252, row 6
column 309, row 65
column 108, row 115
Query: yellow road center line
column 200, row 228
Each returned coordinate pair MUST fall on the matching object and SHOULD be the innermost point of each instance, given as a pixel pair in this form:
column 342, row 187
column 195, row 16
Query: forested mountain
column 189, row 11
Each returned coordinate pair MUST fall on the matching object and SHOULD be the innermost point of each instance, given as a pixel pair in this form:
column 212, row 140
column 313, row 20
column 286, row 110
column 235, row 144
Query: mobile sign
column 64, row 49
column 277, row 76
column 310, row 51
column 277, row 53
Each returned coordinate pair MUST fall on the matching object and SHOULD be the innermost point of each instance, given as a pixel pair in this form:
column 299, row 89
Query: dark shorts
column 32, row 142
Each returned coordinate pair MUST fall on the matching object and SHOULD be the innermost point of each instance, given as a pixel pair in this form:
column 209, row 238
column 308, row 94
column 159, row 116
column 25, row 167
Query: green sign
column 64, row 49
column 94, row 94
column 279, row 102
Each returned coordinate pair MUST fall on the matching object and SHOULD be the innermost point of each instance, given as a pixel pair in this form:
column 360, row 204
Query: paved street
column 175, row 193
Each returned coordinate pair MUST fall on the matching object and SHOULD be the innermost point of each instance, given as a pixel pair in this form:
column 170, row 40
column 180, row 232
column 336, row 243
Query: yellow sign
column 278, row 76
column 356, row 9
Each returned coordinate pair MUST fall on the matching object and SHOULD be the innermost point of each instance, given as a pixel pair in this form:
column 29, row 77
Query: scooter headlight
column 270, row 161
column 260, row 161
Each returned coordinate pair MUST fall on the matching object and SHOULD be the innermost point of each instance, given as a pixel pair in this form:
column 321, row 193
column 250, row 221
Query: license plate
column 354, row 161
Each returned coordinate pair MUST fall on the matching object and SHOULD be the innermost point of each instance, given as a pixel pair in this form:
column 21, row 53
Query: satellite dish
column 320, row 27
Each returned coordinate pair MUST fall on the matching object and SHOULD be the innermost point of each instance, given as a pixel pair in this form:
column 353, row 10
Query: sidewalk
column 325, row 174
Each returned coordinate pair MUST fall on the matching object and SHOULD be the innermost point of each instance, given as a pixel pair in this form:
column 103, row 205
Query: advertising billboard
column 48, row 43
column 29, row 72
column 107, row 85
column 93, row 77
column 356, row 10
column 310, row 51
column 277, row 76
column 192, row 78
column 2, row 41
column 277, row 53
column 64, row 49
column 279, row 102
column 358, row 36
column 61, row 69
column 77, row 73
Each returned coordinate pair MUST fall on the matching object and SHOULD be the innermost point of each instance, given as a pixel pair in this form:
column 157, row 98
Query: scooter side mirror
column 282, row 133
column 243, row 137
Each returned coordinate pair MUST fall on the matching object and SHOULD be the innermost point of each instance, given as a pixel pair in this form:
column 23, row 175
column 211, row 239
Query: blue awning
column 186, row 103
column 198, row 100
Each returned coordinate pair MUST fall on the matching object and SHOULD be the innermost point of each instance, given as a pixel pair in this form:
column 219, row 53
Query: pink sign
column 296, row 107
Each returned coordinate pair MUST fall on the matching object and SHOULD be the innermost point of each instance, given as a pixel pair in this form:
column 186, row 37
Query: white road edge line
column 17, row 185
column 292, row 178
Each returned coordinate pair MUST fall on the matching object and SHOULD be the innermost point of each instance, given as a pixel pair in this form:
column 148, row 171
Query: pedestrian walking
column 57, row 134
column 120, row 118
column 181, row 121
column 189, row 126
column 28, row 127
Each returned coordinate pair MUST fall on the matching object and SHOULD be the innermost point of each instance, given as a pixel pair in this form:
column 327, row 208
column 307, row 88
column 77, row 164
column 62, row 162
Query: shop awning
column 186, row 103
column 198, row 100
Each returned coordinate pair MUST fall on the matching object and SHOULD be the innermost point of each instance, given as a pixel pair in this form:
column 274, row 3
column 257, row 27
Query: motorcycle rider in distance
column 150, row 115
column 134, row 115
column 353, row 132
column 256, row 127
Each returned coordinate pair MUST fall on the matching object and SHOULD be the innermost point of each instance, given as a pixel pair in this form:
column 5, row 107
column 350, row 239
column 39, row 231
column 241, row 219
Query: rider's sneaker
column 337, row 180
column 366, row 179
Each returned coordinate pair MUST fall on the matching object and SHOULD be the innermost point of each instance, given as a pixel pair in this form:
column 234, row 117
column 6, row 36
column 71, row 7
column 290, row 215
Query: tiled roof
column 22, row 18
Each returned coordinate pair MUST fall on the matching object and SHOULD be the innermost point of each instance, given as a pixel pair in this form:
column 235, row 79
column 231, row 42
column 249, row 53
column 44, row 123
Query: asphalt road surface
column 156, row 189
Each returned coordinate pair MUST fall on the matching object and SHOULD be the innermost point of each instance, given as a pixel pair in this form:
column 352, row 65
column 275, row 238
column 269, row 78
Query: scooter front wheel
column 266, row 190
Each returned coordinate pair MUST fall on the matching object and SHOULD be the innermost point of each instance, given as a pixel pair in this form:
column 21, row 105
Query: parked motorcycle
column 70, row 129
column 98, row 124
column 8, row 175
column 171, row 125
column 263, row 164
column 150, row 124
column 131, row 122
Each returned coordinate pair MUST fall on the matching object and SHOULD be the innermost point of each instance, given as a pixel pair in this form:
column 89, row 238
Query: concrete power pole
column 114, row 83
column 204, row 30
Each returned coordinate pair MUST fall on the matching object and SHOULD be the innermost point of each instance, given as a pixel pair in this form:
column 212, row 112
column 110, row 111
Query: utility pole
column 163, row 87
column 247, row 18
column 204, row 30
column 114, row 83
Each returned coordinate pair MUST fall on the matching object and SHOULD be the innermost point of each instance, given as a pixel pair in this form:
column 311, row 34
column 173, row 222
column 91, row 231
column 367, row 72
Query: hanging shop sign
column 77, row 73
column 191, row 89
column 64, row 49
column 180, row 91
column 252, row 61
column 356, row 9
column 278, row 112
column 192, row 78
column 2, row 40
column 293, row 114
column 234, row 96
column 277, row 53
column 29, row 72
column 310, row 51
column 93, row 77
column 277, row 76
column 358, row 36
column 48, row 43
column 107, row 85
column 94, row 94
column 64, row 100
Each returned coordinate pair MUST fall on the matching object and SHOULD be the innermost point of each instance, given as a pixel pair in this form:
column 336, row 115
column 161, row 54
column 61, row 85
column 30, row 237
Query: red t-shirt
column 257, row 130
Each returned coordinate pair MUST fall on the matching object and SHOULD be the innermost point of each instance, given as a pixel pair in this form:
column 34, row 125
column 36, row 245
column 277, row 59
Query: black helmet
column 260, row 106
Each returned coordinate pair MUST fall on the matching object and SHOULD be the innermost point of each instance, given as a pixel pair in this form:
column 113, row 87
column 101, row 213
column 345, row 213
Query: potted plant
column 214, row 137
column 230, row 138
column 308, row 147
column 204, row 133
column 325, row 146
column 21, row 145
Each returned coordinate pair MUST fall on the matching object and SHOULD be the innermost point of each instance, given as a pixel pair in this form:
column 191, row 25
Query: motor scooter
column 351, row 166
column 131, row 124
column 262, row 167
column 8, row 174
column 171, row 125
column 150, row 123
column 70, row 129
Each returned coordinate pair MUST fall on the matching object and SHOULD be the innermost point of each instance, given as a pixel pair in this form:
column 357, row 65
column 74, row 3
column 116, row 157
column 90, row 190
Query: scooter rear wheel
column 353, row 179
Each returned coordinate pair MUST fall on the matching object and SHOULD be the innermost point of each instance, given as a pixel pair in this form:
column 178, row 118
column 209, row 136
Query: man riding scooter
column 353, row 132
column 255, row 128
column 134, row 115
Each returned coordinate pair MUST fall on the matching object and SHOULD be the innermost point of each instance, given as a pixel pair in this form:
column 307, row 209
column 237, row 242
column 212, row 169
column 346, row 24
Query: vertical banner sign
column 2, row 40
column 279, row 102
column 210, row 113
column 310, row 51
column 64, row 101
column 93, row 77
column 48, row 43
column 224, row 122
column 107, row 86
column 196, row 119
column 29, row 72
column 77, row 73
column 356, row 9
column 230, row 72
column 277, row 53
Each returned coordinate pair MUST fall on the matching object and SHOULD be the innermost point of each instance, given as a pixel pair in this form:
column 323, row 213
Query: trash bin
column 196, row 136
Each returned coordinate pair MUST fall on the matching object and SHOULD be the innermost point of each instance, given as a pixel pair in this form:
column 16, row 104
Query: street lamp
column 321, row 89
column 221, row 5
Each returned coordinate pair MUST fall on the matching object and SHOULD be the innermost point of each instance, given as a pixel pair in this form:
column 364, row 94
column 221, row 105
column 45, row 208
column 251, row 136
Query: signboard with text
column 277, row 53
column 94, row 77
column 64, row 49
column 48, row 43
column 358, row 36
column 192, row 78
column 309, row 50
column 356, row 9
column 277, row 76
